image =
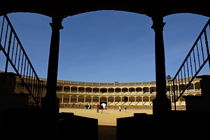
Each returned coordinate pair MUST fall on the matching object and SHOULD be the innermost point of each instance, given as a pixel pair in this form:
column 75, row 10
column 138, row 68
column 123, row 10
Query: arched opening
column 103, row 99
column 95, row 89
column 117, row 99
column 111, row 99
column 124, row 89
column 81, row 89
column 66, row 89
column 81, row 99
column 131, row 89
column 145, row 89
column 88, row 89
column 59, row 88
column 138, row 99
column 103, row 90
column 131, row 99
column 95, row 99
column 153, row 89
column 197, row 86
column 191, row 87
column 110, row 90
column 88, row 99
column 125, row 99
column 73, row 98
column 118, row 90
column 74, row 89
column 138, row 89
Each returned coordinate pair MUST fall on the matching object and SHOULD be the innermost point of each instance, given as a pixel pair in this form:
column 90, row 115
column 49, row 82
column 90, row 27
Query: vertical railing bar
column 5, row 40
column 16, row 52
column 31, row 79
column 27, row 73
column 198, row 55
column 19, row 55
column 181, row 79
column 201, row 42
column 8, row 51
column 21, row 65
column 33, row 86
column 191, row 66
column 194, row 60
column 174, row 98
column 24, row 73
column 188, row 72
column 13, row 47
column 184, row 75
column 2, row 27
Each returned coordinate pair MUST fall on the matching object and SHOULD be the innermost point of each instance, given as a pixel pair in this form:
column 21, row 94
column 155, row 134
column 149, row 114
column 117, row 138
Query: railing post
column 161, row 103
column 50, row 102
column 8, row 51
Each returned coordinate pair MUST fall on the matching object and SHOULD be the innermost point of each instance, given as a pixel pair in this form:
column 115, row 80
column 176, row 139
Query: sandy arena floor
column 107, row 117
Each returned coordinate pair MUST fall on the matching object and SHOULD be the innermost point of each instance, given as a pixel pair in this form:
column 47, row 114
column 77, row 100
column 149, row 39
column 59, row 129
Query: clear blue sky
column 107, row 46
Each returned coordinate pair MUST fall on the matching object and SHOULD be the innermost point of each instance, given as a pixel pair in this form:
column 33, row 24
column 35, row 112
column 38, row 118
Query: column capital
column 158, row 23
column 56, row 23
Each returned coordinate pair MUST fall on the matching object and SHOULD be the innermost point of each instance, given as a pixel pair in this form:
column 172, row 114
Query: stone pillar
column 161, row 103
column 91, row 99
column 84, row 99
column 69, row 99
column 62, row 99
column 142, row 100
column 77, row 98
column 50, row 102
column 194, row 86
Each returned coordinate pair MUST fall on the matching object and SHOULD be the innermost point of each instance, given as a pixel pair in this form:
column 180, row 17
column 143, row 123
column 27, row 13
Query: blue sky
column 107, row 46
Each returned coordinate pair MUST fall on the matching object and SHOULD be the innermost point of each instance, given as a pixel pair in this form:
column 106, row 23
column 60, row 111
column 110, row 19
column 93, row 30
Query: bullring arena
column 136, row 97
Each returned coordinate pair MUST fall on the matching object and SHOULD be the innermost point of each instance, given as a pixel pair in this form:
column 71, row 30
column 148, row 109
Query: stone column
column 161, row 103
column 50, row 102
column 77, row 98
column 62, row 99
column 84, row 99
column 91, row 99
column 69, row 99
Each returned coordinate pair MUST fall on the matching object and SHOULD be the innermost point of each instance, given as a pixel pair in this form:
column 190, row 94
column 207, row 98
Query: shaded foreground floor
column 107, row 132
column 107, row 120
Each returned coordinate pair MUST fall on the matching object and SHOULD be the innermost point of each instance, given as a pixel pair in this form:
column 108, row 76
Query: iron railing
column 16, row 56
column 197, row 57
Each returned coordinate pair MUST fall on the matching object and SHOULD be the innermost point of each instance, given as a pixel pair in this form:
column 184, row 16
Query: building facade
column 78, row 94
column 134, row 95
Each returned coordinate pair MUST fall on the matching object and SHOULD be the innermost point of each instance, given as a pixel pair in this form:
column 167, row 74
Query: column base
column 50, row 106
column 161, row 105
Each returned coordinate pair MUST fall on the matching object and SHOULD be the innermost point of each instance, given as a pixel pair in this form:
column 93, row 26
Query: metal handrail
column 16, row 56
column 195, row 60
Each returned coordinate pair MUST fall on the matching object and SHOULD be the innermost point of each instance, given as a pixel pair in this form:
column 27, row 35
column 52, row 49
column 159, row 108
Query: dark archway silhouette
column 161, row 104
